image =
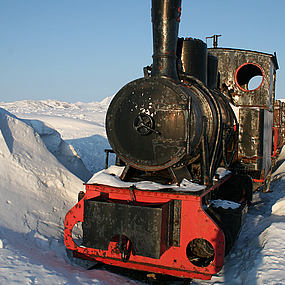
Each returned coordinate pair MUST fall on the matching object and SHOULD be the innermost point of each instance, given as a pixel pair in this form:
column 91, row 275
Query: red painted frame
column 195, row 223
column 245, row 64
column 275, row 136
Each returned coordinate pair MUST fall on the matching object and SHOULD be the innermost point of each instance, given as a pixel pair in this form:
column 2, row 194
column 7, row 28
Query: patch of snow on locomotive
column 111, row 177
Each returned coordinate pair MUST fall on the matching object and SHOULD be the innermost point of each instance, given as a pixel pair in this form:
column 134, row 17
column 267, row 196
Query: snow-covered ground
column 47, row 150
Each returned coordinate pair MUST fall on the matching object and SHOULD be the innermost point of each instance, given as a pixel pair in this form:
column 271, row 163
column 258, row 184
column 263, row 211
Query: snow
column 221, row 173
column 225, row 204
column 48, row 149
column 111, row 177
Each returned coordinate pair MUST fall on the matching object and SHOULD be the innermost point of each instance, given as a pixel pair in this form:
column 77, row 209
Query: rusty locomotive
column 191, row 118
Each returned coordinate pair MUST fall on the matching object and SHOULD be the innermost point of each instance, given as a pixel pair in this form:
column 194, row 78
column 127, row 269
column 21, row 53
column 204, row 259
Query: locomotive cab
column 253, row 103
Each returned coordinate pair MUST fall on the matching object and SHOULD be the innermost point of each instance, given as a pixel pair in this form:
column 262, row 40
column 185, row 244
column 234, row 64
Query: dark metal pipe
column 165, row 24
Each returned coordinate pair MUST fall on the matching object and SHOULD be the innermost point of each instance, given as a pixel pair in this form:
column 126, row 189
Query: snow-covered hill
column 81, row 125
column 41, row 174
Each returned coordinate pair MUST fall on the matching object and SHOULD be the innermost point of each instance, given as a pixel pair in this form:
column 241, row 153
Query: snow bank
column 36, row 189
column 81, row 125
column 64, row 152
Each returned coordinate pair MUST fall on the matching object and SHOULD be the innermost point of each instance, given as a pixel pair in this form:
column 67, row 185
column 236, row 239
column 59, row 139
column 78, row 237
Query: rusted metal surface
column 278, row 121
column 255, row 138
column 193, row 58
column 166, row 122
column 283, row 122
column 278, row 130
column 162, row 143
column 277, row 118
column 237, row 67
column 106, row 218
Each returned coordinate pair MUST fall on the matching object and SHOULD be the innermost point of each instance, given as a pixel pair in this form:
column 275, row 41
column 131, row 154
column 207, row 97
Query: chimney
column 165, row 24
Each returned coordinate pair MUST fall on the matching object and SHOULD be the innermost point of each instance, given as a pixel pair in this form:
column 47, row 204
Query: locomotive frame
column 170, row 230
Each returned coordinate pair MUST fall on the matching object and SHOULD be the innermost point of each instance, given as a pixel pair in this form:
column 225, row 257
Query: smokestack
column 165, row 25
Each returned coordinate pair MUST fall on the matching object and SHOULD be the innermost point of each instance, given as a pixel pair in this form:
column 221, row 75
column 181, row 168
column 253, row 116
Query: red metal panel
column 195, row 223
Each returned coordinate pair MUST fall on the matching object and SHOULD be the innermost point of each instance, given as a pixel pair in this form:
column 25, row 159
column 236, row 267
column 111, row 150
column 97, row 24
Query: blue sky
column 83, row 50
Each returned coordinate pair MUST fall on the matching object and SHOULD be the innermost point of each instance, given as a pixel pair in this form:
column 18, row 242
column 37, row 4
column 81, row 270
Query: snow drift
column 36, row 189
column 39, row 183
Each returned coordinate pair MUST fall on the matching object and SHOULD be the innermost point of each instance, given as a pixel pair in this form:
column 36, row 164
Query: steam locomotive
column 192, row 142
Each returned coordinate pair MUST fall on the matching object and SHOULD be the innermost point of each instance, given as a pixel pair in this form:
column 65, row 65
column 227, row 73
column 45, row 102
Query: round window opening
column 249, row 77
column 200, row 252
